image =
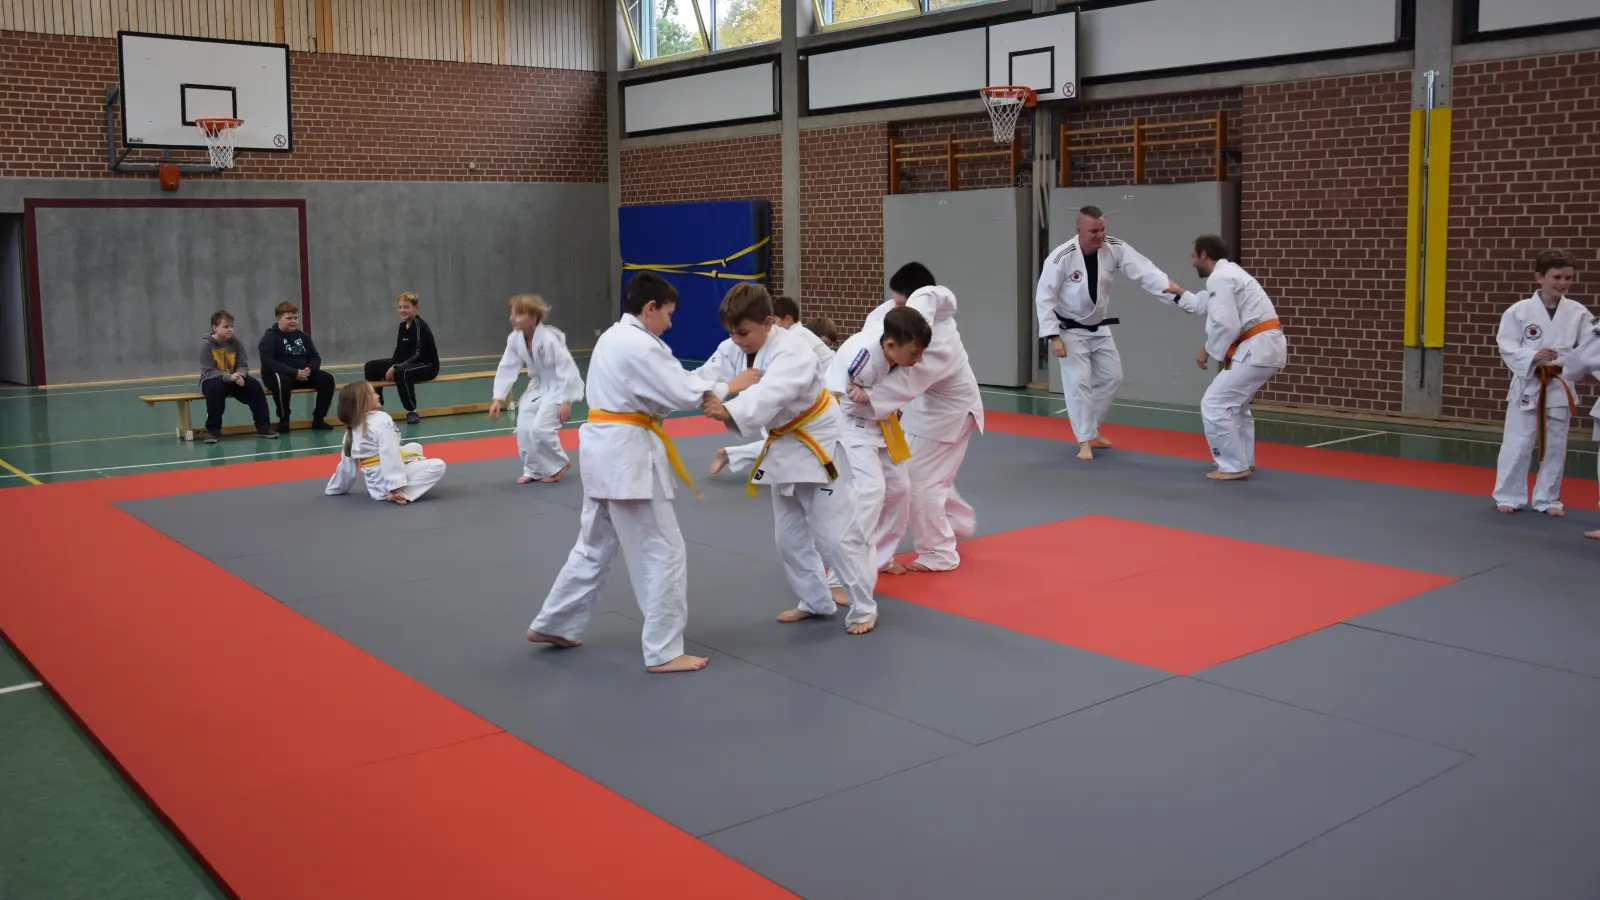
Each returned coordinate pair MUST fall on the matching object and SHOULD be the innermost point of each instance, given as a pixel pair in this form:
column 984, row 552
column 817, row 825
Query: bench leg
column 185, row 430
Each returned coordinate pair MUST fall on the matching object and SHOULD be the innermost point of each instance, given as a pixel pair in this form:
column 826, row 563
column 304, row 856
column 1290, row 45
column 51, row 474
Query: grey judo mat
column 941, row 757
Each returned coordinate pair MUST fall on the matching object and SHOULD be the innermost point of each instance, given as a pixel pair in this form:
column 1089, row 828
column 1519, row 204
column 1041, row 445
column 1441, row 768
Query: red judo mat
column 298, row 765
column 1162, row 597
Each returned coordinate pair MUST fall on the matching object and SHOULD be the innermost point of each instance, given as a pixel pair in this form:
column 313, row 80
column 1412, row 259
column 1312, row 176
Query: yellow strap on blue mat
column 684, row 268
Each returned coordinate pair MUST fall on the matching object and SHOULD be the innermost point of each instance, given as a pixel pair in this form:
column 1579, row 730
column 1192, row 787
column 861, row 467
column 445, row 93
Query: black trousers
column 218, row 390
column 281, row 386
column 406, row 379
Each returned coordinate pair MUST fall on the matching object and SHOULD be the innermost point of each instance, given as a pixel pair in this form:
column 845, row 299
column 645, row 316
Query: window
column 850, row 13
column 663, row 29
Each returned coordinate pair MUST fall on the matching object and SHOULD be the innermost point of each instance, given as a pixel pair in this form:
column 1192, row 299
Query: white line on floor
column 166, row 383
column 1353, row 437
column 21, row 687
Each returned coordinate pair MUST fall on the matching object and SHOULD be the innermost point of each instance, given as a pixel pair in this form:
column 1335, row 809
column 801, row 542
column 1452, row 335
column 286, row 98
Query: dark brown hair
column 220, row 316
column 646, row 288
column 904, row 325
column 1214, row 248
column 1554, row 259
column 825, row 328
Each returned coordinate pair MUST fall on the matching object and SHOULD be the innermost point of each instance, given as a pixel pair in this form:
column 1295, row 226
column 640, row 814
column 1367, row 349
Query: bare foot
column 1505, row 509
column 555, row 640
column 1220, row 475
column 862, row 627
column 1102, row 442
column 552, row 479
column 684, row 663
column 917, row 567
column 720, row 462
column 1084, row 452
column 893, row 568
column 1555, row 512
column 1592, row 535
column 840, row 598
column 794, row 615
column 526, row 479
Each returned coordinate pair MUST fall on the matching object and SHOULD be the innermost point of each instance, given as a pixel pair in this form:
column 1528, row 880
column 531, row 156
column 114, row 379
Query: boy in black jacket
column 289, row 360
column 415, row 358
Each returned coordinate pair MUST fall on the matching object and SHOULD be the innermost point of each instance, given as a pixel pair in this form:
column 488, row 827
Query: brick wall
column 355, row 118
column 844, row 175
column 923, row 176
column 748, row 168
column 1175, row 164
column 1324, row 230
column 1524, row 177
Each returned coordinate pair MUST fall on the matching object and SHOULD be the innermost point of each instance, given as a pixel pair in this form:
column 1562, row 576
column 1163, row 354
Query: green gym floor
column 71, row 827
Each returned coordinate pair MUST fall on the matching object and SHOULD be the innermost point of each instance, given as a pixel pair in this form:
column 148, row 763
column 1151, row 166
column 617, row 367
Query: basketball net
column 219, row 135
column 1005, row 105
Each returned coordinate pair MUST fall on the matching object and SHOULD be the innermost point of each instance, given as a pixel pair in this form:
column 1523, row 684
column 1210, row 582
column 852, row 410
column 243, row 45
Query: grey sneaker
column 213, row 436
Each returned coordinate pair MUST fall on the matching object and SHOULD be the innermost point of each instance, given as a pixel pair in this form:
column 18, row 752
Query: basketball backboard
column 167, row 82
column 1039, row 53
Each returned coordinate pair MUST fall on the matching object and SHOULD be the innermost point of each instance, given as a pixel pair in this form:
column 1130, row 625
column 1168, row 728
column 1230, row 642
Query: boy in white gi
column 553, row 383
column 940, row 407
column 810, row 479
column 396, row 472
column 786, row 310
column 634, row 381
column 876, row 446
column 1533, row 332
column 1072, row 302
column 1242, row 333
column 1585, row 360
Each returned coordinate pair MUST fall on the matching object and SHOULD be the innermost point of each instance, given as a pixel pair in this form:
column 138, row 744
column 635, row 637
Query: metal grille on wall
column 556, row 34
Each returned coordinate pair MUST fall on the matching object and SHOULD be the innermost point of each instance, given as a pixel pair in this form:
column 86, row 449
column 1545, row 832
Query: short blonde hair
column 410, row 298
column 529, row 305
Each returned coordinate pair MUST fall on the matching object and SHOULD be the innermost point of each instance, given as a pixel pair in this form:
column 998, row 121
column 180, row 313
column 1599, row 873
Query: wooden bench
column 186, row 430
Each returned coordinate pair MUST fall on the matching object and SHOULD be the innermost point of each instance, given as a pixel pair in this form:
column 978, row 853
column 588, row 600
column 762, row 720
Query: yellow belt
column 368, row 462
column 649, row 423
column 895, row 437
column 797, row 429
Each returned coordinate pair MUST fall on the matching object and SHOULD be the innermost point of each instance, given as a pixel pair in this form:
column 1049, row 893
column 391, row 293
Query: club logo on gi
column 1076, row 277
column 1533, row 332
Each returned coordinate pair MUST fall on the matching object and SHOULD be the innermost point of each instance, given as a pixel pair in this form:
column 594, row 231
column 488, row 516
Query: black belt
column 1075, row 325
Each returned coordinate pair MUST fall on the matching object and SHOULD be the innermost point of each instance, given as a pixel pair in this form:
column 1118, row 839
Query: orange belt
column 1547, row 374
column 1252, row 331
column 797, row 429
column 648, row 423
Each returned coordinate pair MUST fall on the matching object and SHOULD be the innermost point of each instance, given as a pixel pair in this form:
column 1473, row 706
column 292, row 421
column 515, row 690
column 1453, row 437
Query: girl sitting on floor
column 372, row 449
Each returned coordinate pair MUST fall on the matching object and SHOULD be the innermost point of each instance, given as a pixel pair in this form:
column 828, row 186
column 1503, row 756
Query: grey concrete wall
column 130, row 292
column 975, row 243
column 464, row 248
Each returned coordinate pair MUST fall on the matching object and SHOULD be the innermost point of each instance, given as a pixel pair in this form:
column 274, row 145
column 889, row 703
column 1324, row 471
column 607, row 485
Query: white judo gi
column 378, row 457
column 1091, row 371
column 1243, row 333
column 1583, row 361
column 939, row 407
column 627, row 477
column 1526, row 328
column 813, row 510
column 743, row 456
column 873, row 464
column 553, row 379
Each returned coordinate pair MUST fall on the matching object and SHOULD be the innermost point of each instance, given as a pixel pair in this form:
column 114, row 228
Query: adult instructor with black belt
column 1073, row 299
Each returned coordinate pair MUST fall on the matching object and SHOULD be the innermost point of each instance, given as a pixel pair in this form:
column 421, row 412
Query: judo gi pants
column 939, row 517
column 421, row 474
column 539, row 436
column 646, row 532
column 1091, row 372
column 1225, row 411
column 1516, row 455
column 883, row 504
column 742, row 457
column 818, row 525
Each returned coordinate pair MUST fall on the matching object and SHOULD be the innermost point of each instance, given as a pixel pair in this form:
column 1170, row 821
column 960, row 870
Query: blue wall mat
column 680, row 235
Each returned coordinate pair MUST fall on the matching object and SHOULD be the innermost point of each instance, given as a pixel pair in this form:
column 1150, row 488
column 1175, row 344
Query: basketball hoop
column 219, row 135
column 1005, row 104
